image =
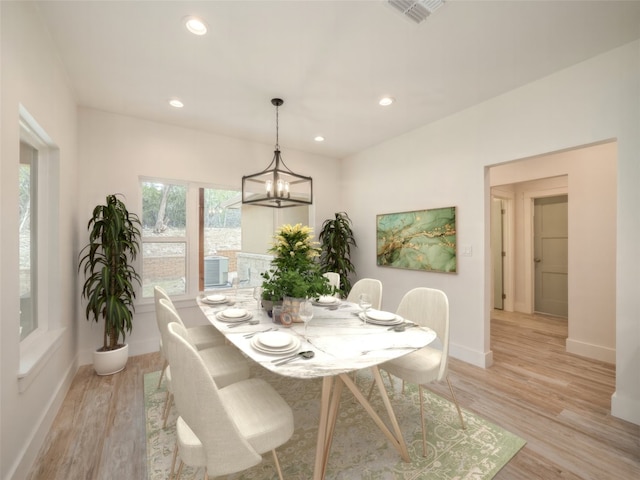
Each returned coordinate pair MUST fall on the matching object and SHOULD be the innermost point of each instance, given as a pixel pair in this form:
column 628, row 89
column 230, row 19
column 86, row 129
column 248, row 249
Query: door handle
column 537, row 260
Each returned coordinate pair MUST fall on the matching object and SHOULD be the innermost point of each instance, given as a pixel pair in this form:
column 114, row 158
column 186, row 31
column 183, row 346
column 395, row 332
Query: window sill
column 36, row 355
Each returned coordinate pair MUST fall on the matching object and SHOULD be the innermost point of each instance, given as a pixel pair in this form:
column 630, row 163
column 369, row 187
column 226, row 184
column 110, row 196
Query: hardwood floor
column 99, row 432
column 559, row 403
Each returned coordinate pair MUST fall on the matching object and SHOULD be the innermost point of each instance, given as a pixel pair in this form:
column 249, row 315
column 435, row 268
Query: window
column 41, row 331
column 164, row 237
column 190, row 236
column 197, row 238
column 222, row 237
column 27, row 231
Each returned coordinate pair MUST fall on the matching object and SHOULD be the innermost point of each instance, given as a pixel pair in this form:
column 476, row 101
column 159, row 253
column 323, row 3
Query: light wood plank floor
column 558, row 402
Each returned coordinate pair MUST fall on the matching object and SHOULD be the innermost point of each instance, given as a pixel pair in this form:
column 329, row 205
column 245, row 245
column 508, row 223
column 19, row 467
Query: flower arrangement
column 294, row 271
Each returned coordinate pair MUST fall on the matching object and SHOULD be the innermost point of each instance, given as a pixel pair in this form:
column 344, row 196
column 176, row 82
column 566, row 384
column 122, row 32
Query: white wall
column 116, row 150
column 32, row 76
column 446, row 163
column 589, row 177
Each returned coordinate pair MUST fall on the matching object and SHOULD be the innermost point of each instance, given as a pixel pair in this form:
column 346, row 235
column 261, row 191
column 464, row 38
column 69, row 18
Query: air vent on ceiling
column 416, row 10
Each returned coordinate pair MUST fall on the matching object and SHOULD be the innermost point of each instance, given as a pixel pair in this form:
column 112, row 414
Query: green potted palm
column 336, row 239
column 107, row 264
column 295, row 272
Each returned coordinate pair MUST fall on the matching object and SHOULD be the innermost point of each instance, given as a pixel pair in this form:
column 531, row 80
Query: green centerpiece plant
column 295, row 271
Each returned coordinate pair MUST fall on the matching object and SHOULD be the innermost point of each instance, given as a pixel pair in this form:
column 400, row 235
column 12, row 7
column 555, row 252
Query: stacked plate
column 215, row 299
column 325, row 300
column 233, row 315
column 275, row 343
column 379, row 317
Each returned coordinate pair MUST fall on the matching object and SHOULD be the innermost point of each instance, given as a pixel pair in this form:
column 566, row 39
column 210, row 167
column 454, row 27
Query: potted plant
column 106, row 261
column 336, row 239
column 294, row 272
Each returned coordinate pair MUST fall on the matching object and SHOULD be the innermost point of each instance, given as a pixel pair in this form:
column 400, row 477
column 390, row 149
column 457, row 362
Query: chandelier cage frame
column 277, row 186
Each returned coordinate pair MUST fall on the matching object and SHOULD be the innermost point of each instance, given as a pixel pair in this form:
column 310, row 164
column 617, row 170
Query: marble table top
column 340, row 340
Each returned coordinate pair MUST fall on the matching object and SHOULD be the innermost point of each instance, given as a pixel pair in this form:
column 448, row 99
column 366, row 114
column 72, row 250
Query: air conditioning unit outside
column 216, row 271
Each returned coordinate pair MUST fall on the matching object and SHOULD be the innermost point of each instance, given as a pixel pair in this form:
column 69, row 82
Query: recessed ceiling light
column 195, row 25
column 174, row 102
column 319, row 138
column 386, row 101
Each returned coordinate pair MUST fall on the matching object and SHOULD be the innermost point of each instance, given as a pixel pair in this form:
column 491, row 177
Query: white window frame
column 38, row 347
column 192, row 236
column 187, row 239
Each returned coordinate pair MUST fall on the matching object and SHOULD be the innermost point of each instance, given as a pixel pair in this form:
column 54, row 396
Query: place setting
column 216, row 300
column 234, row 315
column 380, row 317
column 326, row 301
column 275, row 343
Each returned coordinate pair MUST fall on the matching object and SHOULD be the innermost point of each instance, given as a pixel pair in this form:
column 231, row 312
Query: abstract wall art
column 418, row 240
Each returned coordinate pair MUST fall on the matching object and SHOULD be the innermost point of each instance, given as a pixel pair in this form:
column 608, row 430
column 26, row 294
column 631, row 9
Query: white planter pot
column 107, row 363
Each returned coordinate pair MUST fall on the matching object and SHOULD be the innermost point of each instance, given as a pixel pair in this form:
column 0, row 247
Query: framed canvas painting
column 419, row 240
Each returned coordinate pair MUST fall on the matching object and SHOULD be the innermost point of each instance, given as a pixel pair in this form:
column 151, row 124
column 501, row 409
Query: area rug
column 359, row 450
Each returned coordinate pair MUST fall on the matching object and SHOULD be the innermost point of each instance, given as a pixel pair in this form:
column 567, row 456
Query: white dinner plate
column 215, row 299
column 396, row 320
column 380, row 315
column 223, row 318
column 234, row 312
column 275, row 340
column 295, row 345
column 325, row 300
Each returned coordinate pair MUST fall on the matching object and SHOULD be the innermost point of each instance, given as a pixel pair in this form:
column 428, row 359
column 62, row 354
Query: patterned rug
column 359, row 450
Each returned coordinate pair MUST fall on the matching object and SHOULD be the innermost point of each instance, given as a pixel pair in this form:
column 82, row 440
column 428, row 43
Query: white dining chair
column 224, row 363
column 427, row 307
column 225, row 430
column 371, row 286
column 203, row 336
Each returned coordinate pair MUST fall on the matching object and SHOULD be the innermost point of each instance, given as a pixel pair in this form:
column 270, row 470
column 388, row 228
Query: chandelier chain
column 277, row 128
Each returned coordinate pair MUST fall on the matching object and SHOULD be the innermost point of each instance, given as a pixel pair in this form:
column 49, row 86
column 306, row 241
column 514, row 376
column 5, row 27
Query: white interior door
column 550, row 250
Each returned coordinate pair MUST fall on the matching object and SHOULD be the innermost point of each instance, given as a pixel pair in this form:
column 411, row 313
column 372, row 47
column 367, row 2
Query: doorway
column 497, row 252
column 590, row 248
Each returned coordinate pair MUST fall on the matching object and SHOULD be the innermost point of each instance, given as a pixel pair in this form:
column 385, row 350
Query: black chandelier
column 277, row 186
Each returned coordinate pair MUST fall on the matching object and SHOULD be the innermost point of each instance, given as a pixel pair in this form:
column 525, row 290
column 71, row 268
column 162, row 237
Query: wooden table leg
column 392, row 416
column 395, row 437
column 330, row 402
column 323, row 428
column 333, row 416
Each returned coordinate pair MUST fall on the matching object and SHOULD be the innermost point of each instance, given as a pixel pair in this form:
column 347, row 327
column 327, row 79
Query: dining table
column 342, row 343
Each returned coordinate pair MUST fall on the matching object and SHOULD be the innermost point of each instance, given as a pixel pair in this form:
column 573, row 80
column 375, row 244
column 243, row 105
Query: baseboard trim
column 625, row 408
column 474, row 357
column 595, row 352
column 23, row 464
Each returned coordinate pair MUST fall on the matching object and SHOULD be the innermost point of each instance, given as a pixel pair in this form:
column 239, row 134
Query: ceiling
column 330, row 61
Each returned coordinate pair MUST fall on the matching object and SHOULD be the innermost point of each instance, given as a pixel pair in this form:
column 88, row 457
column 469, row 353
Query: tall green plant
column 114, row 239
column 336, row 239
